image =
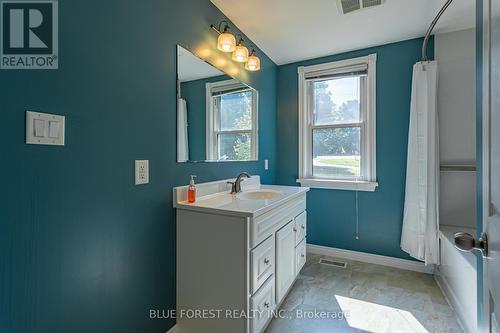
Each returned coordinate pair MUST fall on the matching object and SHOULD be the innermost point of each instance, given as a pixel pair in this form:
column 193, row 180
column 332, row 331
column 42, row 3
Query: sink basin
column 259, row 195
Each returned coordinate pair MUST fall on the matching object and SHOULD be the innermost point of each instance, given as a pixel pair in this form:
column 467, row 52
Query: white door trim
column 484, row 322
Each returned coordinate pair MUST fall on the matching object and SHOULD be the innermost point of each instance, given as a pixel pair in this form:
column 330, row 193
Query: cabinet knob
column 266, row 304
column 302, row 255
column 303, row 226
column 295, row 229
column 266, row 261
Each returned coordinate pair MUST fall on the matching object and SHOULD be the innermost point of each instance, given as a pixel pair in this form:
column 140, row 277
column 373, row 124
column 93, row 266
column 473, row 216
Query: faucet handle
column 233, row 186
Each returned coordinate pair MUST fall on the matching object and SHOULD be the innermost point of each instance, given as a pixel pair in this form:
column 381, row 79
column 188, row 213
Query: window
column 231, row 121
column 337, row 124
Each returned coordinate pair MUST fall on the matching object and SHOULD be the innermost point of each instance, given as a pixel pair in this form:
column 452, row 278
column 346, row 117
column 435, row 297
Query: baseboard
column 371, row 258
column 172, row 330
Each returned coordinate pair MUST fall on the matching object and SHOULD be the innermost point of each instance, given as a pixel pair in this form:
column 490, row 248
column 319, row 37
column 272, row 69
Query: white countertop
column 231, row 204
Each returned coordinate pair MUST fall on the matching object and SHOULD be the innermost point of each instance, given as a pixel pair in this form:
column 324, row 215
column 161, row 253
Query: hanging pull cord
column 356, row 235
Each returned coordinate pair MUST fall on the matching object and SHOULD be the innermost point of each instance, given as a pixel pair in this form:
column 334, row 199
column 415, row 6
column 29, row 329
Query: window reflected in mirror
column 232, row 133
column 217, row 116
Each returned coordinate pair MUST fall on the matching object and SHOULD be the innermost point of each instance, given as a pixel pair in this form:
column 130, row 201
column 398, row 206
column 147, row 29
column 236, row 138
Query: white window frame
column 213, row 123
column 368, row 132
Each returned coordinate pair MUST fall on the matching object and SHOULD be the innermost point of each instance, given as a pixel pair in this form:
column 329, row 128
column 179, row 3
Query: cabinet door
column 285, row 260
column 300, row 227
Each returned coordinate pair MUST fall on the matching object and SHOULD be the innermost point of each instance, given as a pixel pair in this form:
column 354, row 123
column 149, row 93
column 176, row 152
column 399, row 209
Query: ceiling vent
column 348, row 6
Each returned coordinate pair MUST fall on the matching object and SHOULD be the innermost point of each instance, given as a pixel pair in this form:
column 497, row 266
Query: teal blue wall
column 194, row 92
column 81, row 248
column 331, row 213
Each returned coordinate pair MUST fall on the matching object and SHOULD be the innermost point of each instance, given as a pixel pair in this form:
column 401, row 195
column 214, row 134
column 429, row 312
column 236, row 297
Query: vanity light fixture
column 226, row 41
column 253, row 63
column 240, row 54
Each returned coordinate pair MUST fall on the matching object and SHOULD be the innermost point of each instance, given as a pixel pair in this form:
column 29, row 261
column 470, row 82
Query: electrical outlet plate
column 141, row 172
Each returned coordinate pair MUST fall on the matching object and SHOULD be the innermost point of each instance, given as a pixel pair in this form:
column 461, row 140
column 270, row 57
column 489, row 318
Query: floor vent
column 348, row 6
column 339, row 264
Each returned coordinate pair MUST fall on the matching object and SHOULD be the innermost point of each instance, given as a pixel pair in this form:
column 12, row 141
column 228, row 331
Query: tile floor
column 363, row 298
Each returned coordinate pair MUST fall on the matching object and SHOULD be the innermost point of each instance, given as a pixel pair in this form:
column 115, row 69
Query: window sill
column 353, row 185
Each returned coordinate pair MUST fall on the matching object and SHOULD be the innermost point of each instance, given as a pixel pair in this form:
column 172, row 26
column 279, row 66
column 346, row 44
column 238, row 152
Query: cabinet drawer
column 268, row 223
column 262, row 259
column 300, row 227
column 300, row 256
column 261, row 306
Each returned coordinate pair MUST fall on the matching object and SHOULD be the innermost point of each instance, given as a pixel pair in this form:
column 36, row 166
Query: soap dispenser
column 192, row 190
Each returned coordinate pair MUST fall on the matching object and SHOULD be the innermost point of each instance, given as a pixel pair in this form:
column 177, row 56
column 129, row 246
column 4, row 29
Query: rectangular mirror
column 216, row 114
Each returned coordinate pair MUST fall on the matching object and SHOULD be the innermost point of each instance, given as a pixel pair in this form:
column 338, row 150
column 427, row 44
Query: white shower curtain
column 421, row 210
column 182, row 131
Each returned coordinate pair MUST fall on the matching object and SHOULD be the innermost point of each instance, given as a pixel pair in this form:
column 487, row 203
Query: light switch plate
column 44, row 128
column 141, row 172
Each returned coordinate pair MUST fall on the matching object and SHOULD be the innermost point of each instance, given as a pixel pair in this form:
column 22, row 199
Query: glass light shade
column 240, row 54
column 226, row 42
column 253, row 63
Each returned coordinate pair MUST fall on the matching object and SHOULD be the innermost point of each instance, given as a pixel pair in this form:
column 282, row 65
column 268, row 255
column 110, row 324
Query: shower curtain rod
column 431, row 27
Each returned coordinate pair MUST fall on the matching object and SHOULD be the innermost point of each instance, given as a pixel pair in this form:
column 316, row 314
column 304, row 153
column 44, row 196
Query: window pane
column 336, row 101
column 235, row 146
column 336, row 152
column 236, row 111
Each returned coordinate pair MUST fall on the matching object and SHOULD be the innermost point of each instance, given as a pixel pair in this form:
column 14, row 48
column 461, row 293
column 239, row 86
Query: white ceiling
column 294, row 30
column 190, row 67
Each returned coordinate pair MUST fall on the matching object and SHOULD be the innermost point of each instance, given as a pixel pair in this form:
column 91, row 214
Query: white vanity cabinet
column 237, row 259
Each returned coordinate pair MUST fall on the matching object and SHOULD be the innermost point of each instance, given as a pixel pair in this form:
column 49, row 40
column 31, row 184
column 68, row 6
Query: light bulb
column 240, row 54
column 226, row 42
column 253, row 63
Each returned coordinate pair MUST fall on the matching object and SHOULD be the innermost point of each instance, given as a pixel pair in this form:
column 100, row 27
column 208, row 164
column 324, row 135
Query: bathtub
column 456, row 275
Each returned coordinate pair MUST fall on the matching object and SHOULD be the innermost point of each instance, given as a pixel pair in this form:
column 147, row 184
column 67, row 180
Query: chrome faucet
column 236, row 185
